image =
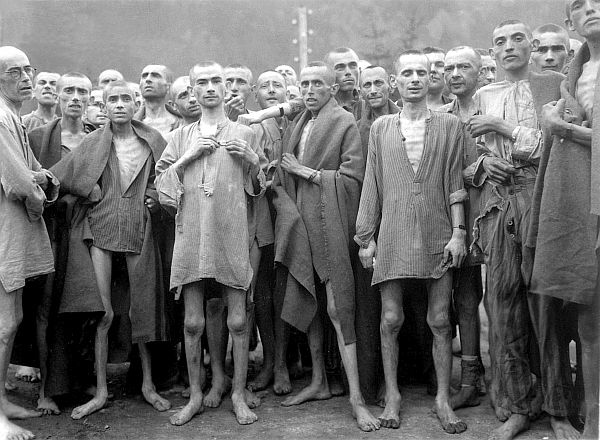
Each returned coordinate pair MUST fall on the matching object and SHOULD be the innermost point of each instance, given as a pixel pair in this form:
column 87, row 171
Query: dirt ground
column 131, row 418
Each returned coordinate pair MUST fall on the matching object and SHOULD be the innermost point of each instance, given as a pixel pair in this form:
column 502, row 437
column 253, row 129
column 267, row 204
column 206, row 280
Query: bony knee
column 106, row 320
column 439, row 325
column 237, row 324
column 391, row 321
column 195, row 326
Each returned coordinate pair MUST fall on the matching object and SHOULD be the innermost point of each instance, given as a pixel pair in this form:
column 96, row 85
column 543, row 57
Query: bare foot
column 253, row 400
column 311, row 392
column 10, row 431
column 13, row 411
column 153, row 398
column 515, row 424
column 96, row 404
column 243, row 414
column 214, row 397
column 365, row 420
column 262, row 380
column 502, row 414
column 281, row 383
column 466, row 397
column 47, row 406
column 563, row 430
column 381, row 396
column 390, row 417
column 9, row 386
column 193, row 407
column 449, row 421
column 28, row 374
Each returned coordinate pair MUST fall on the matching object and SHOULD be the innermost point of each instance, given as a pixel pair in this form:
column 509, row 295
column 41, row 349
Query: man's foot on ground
column 28, row 374
column 514, row 425
column 502, row 414
column 13, row 411
column 91, row 391
column 465, row 397
column 96, row 404
column 153, row 398
column 364, row 419
column 381, row 396
column 47, row 406
column 252, row 400
column 243, row 414
column 311, row 392
column 193, row 407
column 281, row 382
column 219, row 388
column 450, row 422
column 390, row 417
column 262, row 380
column 9, row 386
column 10, row 431
column 563, row 430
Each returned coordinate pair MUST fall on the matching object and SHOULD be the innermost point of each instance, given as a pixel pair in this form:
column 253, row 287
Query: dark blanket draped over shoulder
column 80, row 172
column 315, row 223
column 563, row 232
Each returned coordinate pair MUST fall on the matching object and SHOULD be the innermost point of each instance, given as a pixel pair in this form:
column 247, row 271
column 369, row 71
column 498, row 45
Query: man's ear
column 569, row 24
column 492, row 53
column 334, row 89
column 535, row 45
column 393, row 82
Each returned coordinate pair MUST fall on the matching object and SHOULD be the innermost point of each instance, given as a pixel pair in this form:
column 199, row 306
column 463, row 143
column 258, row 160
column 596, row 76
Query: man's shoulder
column 241, row 129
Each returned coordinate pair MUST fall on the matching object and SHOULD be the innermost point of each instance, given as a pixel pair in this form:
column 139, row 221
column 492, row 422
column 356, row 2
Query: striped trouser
column 500, row 234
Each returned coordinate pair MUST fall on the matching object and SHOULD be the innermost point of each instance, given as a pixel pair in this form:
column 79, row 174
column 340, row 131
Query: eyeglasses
column 15, row 72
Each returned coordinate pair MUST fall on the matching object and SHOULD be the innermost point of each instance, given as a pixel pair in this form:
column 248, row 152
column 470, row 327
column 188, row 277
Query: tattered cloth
column 315, row 223
column 564, row 209
column 79, row 172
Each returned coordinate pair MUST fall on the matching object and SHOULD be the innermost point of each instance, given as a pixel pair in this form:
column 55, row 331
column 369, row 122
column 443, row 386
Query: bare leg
column 392, row 318
column 27, row 374
column 45, row 404
column 318, row 389
column 102, row 262
column 364, row 418
column 238, row 328
column 281, row 382
column 11, row 314
column 193, row 297
column 217, row 335
column 438, row 318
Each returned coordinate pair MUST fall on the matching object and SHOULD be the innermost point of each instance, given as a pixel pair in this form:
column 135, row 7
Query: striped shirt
column 411, row 209
column 117, row 221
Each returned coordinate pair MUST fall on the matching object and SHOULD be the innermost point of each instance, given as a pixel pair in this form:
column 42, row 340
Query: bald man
column 344, row 63
column 45, row 95
column 552, row 47
column 289, row 73
column 108, row 76
column 25, row 189
column 184, row 101
column 155, row 85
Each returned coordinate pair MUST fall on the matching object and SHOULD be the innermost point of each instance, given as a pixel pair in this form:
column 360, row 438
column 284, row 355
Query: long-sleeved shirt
column 411, row 209
column 211, row 224
column 24, row 244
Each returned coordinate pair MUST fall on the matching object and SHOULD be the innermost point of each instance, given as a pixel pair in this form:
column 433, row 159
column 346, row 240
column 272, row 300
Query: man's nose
column 550, row 56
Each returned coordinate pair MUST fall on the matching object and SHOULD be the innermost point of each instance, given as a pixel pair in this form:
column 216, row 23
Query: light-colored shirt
column 211, row 222
column 513, row 102
column 24, row 244
column 132, row 155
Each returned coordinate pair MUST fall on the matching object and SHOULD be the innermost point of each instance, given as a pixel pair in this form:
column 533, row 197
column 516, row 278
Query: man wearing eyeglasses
column 45, row 95
column 25, row 189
